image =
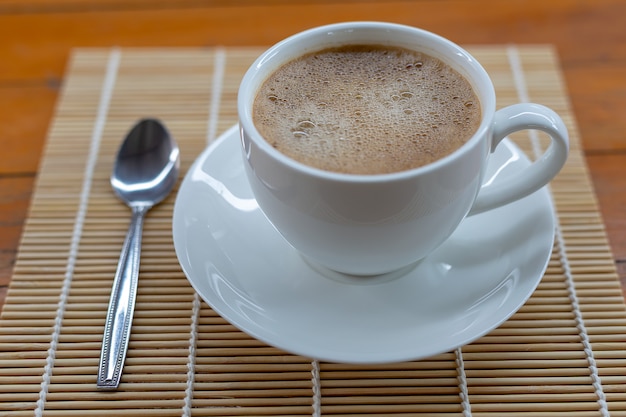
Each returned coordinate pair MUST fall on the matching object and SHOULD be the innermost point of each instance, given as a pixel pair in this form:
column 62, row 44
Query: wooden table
column 36, row 37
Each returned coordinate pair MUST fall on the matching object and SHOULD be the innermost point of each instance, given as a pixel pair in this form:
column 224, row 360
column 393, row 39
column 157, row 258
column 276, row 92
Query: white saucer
column 246, row 272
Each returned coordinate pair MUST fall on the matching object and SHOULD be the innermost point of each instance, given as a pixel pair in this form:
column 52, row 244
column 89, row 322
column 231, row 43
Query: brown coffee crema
column 366, row 109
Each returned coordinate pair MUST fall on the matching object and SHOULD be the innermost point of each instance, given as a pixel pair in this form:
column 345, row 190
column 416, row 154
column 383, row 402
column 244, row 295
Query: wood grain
column 36, row 37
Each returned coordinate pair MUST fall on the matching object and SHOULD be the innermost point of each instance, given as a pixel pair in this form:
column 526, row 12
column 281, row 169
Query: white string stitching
column 580, row 325
column 522, row 90
column 462, row 378
column 216, row 93
column 191, row 358
column 317, row 389
column 219, row 62
column 96, row 136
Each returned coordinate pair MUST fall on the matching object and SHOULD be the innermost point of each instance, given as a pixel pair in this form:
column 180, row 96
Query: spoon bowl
column 147, row 165
column 145, row 171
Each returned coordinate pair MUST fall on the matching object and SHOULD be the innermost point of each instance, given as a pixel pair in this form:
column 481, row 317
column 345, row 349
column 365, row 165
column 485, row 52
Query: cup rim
column 457, row 57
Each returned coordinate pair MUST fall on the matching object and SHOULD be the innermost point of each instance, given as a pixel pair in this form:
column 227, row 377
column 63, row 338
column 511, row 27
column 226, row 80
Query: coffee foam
column 366, row 109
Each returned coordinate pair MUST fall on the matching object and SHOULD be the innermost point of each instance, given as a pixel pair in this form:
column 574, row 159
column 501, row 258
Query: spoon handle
column 121, row 306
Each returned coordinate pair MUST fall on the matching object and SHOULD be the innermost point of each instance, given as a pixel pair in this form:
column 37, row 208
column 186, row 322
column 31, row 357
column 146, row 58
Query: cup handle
column 521, row 117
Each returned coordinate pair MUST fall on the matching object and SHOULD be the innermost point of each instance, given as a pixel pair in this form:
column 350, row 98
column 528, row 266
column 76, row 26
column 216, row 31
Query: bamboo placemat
column 562, row 354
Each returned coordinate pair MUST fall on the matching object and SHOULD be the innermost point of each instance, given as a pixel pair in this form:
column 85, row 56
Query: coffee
column 366, row 109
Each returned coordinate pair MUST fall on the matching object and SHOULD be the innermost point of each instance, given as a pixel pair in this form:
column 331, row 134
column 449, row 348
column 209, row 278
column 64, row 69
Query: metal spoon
column 145, row 171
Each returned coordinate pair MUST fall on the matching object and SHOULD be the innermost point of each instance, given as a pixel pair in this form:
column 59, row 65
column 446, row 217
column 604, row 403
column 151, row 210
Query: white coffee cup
column 375, row 224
